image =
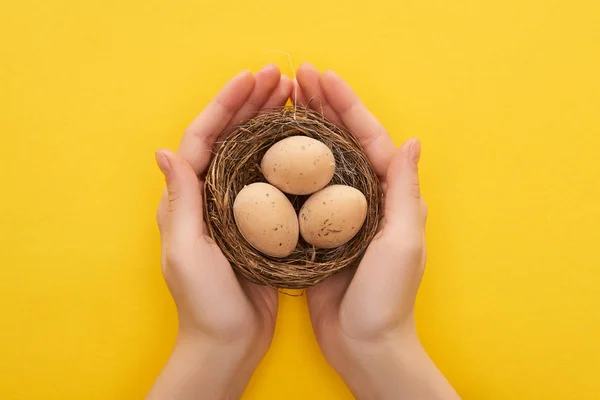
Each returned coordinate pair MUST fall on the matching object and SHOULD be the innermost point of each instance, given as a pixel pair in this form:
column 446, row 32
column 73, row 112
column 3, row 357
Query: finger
column 298, row 97
column 184, row 213
column 199, row 138
column 161, row 213
column 267, row 80
column 359, row 120
column 309, row 80
column 280, row 95
column 404, row 206
column 162, row 217
column 391, row 269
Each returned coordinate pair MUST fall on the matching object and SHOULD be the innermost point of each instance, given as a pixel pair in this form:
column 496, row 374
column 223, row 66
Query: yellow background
column 504, row 94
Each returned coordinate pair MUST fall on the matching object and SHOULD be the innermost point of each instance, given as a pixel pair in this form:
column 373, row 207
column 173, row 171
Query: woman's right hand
column 364, row 318
column 226, row 323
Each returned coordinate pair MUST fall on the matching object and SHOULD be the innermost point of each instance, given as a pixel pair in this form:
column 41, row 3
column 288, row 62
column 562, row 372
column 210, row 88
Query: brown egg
column 266, row 219
column 332, row 216
column 298, row 165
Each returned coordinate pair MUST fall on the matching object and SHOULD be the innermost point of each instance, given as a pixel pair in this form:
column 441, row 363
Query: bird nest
column 237, row 163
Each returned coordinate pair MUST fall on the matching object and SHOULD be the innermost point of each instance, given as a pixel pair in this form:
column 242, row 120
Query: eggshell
column 266, row 219
column 332, row 216
column 298, row 165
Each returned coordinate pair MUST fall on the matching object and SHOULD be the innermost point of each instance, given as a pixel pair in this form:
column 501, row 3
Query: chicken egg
column 266, row 219
column 332, row 216
column 298, row 165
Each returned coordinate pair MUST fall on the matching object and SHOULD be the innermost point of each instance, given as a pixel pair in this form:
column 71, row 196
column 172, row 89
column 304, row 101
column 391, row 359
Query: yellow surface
column 504, row 94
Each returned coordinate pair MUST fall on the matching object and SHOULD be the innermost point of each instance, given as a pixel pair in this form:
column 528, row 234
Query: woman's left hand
column 364, row 317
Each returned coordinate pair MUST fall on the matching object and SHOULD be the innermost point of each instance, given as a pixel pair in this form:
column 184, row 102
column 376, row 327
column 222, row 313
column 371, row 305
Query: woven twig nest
column 237, row 163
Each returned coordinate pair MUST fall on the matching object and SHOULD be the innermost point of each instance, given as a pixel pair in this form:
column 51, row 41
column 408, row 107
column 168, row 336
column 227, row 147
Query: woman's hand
column 363, row 318
column 225, row 323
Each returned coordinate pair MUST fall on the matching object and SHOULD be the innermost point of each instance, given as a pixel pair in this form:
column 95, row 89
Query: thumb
column 404, row 207
column 184, row 209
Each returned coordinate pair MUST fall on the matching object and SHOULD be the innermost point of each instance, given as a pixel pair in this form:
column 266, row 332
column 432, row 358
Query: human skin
column 226, row 323
column 363, row 317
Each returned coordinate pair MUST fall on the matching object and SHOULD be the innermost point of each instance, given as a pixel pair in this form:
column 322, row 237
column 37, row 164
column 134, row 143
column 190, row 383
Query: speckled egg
column 266, row 219
column 332, row 216
column 298, row 165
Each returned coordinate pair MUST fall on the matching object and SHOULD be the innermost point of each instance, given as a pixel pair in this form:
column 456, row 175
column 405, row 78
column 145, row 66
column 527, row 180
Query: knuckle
column 411, row 248
column 405, row 248
column 403, row 244
column 175, row 257
column 172, row 258
column 167, row 272
column 173, row 200
column 415, row 189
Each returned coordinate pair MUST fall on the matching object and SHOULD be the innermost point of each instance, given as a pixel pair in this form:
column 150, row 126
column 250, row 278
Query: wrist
column 201, row 367
column 395, row 367
column 374, row 369
column 225, row 366
column 246, row 347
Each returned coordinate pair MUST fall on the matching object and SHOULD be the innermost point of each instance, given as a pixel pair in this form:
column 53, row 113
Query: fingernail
column 268, row 67
column 414, row 151
column 244, row 73
column 163, row 162
column 406, row 145
column 306, row 65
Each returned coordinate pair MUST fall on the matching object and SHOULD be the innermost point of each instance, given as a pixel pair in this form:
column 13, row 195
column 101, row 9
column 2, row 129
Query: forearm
column 200, row 369
column 396, row 370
